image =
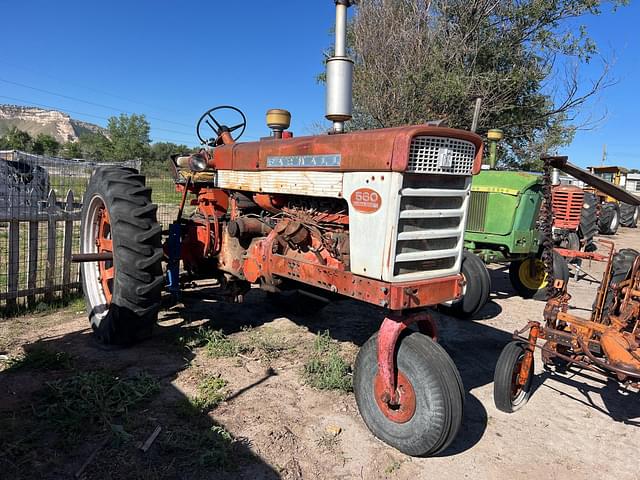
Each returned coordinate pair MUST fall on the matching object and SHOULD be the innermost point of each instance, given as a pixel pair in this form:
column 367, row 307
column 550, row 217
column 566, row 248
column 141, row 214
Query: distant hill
column 37, row 120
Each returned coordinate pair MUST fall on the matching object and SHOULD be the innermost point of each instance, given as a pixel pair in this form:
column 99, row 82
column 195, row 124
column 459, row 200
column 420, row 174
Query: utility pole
column 604, row 154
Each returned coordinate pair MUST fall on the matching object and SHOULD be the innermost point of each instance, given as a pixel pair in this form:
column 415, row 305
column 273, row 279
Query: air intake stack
column 339, row 73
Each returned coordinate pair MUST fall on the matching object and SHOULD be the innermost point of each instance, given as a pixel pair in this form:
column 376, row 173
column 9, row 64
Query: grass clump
column 211, row 393
column 94, row 399
column 326, row 369
column 210, row 448
column 268, row 344
column 217, row 344
column 39, row 358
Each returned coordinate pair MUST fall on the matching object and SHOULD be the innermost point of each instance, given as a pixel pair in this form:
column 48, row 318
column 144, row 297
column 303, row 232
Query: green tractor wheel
column 529, row 278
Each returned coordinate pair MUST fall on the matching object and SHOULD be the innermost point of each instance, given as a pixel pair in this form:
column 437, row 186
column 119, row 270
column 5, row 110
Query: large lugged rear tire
column 476, row 291
column 628, row 215
column 431, row 380
column 609, row 219
column 122, row 295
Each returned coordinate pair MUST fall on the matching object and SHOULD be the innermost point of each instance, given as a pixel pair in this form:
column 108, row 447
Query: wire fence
column 40, row 205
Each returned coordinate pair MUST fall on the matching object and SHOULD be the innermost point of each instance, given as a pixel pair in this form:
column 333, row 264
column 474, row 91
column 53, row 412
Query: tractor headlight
column 197, row 163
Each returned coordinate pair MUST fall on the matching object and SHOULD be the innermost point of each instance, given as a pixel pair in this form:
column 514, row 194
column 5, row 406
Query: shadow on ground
column 76, row 409
column 54, row 420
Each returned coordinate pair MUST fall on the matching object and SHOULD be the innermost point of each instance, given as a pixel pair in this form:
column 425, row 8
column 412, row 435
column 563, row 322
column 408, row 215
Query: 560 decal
column 366, row 200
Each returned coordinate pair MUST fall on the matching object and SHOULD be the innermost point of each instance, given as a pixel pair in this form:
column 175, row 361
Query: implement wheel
column 430, row 390
column 122, row 294
column 529, row 278
column 510, row 392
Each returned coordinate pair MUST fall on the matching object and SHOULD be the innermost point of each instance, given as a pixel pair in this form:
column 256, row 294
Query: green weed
column 210, row 448
column 267, row 343
column 95, row 398
column 326, row 369
column 210, row 393
column 39, row 358
column 217, row 344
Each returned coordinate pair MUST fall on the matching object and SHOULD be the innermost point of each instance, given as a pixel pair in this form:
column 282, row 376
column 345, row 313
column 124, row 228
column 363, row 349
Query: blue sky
column 174, row 60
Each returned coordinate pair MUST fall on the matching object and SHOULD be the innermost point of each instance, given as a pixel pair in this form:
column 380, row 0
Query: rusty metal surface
column 567, row 201
column 384, row 149
column 391, row 387
column 91, row 257
column 605, row 343
column 608, row 188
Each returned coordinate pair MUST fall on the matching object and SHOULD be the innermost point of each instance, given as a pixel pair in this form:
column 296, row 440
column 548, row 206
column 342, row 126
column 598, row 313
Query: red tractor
column 376, row 216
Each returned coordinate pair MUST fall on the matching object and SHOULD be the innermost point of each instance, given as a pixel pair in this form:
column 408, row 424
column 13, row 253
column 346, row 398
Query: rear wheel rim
column 97, row 238
column 406, row 407
column 614, row 221
column 536, row 281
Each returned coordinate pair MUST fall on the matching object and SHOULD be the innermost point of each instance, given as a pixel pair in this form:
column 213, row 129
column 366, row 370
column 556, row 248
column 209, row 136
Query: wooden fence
column 46, row 268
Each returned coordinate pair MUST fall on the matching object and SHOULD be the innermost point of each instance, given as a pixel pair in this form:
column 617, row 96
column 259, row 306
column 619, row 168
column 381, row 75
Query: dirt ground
column 575, row 425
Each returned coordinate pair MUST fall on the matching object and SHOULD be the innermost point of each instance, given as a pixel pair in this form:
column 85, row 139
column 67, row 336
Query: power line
column 69, row 97
column 82, row 113
column 64, row 110
column 103, row 92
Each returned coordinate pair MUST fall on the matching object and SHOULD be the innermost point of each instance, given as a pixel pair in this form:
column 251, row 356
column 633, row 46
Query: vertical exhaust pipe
column 338, row 105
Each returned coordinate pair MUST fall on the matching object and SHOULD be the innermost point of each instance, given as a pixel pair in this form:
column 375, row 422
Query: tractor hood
column 510, row 183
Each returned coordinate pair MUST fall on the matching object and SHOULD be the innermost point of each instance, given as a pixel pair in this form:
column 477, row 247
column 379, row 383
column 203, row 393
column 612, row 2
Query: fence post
column 68, row 242
column 32, row 278
column 51, row 247
column 14, row 263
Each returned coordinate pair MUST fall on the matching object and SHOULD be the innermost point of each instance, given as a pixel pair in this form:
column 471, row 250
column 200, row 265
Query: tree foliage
column 128, row 139
column 129, row 135
column 420, row 60
column 15, row 139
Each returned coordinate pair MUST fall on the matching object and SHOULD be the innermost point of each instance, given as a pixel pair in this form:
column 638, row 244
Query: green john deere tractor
column 502, row 228
column 502, row 224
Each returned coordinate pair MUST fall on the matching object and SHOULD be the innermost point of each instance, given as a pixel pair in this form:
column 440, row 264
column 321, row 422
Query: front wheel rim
column 519, row 388
column 98, row 276
column 406, row 407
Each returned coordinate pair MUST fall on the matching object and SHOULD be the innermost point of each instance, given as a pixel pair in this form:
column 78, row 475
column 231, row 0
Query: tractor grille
column 441, row 155
column 430, row 226
column 477, row 211
column 567, row 203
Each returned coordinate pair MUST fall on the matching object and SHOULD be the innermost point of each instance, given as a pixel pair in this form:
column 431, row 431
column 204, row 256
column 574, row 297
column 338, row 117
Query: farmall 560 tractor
column 376, row 216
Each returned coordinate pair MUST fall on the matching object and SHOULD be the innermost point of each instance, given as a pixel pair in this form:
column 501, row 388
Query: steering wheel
column 218, row 128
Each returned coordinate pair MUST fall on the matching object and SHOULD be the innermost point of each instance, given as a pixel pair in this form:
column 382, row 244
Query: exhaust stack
column 339, row 73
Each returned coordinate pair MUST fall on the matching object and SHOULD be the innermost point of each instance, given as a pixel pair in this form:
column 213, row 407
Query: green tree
column 160, row 152
column 45, row 144
column 94, row 146
column 129, row 135
column 428, row 60
column 71, row 150
column 16, row 139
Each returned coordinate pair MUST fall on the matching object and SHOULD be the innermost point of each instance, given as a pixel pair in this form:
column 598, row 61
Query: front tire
column 508, row 395
column 123, row 294
column 476, row 291
column 428, row 375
